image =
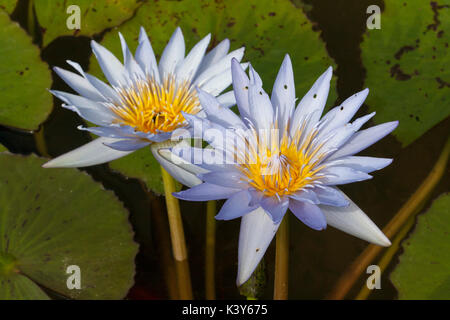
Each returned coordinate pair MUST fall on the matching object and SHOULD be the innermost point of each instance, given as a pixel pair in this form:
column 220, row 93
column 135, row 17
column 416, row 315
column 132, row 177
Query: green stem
column 281, row 285
column 179, row 250
column 210, row 288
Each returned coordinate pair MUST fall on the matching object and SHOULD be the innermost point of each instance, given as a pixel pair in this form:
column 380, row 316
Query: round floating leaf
column 268, row 29
column 407, row 66
column 51, row 219
column 95, row 16
column 24, row 79
column 424, row 268
column 8, row 5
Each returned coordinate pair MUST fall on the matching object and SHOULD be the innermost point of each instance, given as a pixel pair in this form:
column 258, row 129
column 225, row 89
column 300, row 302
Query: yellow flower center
column 151, row 107
column 282, row 168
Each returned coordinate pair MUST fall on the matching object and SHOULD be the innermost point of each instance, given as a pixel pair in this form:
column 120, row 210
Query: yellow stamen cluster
column 284, row 167
column 151, row 107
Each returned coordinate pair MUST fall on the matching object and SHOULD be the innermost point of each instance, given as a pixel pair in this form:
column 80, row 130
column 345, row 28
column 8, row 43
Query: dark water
column 317, row 258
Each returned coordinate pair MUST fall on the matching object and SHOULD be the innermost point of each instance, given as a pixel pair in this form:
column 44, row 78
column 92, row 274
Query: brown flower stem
column 281, row 285
column 177, row 237
column 210, row 288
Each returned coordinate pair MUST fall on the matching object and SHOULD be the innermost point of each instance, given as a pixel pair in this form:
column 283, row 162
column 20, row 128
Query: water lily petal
column 308, row 213
column 236, row 206
column 113, row 70
column 314, row 101
column 365, row 138
column 275, row 207
column 343, row 175
column 225, row 178
column 92, row 153
column 221, row 66
column 240, row 88
column 283, row 93
column 216, row 112
column 131, row 66
column 173, row 54
column 128, row 144
column 256, row 233
column 220, row 82
column 179, row 169
column 212, row 57
column 79, row 84
column 364, row 164
column 261, row 113
column 146, row 57
column 85, row 108
column 227, row 99
column 187, row 69
column 354, row 221
column 206, row 192
column 345, row 111
column 330, row 196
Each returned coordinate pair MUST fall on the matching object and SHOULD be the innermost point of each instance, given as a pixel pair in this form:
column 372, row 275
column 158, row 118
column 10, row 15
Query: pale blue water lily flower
column 289, row 157
column 144, row 101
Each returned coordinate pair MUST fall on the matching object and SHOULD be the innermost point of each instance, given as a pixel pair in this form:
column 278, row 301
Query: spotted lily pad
column 24, row 79
column 53, row 219
column 407, row 66
column 424, row 268
column 268, row 29
column 8, row 5
column 95, row 16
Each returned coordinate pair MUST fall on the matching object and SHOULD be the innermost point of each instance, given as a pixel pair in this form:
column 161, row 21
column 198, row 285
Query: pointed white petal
column 215, row 55
column 257, row 231
column 219, row 67
column 365, row 138
column 103, row 88
column 92, row 153
column 240, row 88
column 131, row 66
column 220, row 82
column 113, row 70
column 283, row 93
column 364, row 164
column 314, row 101
column 345, row 112
column 261, row 110
column 187, row 69
column 354, row 221
column 173, row 54
column 79, row 84
column 146, row 57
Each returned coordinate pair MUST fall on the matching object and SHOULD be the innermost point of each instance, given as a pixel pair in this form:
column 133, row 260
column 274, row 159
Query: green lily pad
column 424, row 268
column 24, row 79
column 8, row 5
column 51, row 219
column 268, row 29
column 95, row 16
column 407, row 66
column 2, row 148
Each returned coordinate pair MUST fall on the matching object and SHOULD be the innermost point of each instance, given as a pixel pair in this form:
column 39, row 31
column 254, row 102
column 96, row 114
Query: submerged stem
column 210, row 288
column 281, row 285
column 412, row 206
column 177, row 237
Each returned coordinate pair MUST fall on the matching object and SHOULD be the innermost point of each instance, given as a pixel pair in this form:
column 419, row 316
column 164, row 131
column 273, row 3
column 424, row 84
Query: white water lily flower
column 144, row 102
column 290, row 157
